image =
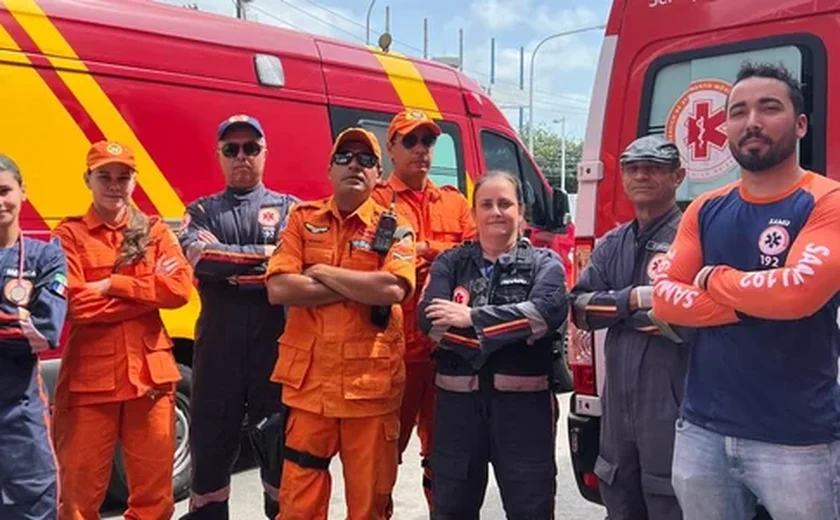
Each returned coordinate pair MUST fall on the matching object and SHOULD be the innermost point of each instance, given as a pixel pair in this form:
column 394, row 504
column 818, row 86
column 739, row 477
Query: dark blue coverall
column 645, row 371
column 493, row 400
column 236, row 338
column 31, row 320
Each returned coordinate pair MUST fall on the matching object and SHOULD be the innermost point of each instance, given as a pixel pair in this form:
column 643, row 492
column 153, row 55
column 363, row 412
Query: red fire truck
column 666, row 66
column 161, row 78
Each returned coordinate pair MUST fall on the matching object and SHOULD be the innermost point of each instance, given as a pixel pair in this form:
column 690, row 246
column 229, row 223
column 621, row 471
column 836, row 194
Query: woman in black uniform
column 493, row 306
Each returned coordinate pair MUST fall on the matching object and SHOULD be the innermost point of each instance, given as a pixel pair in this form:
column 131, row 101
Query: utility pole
column 461, row 50
column 563, row 153
column 240, row 9
column 521, row 88
column 492, row 61
column 425, row 38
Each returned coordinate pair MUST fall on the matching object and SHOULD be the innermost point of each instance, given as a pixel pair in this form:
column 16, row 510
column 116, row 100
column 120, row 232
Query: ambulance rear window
column 685, row 99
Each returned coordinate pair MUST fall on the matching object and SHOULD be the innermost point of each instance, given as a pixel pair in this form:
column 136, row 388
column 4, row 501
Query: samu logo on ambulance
column 697, row 125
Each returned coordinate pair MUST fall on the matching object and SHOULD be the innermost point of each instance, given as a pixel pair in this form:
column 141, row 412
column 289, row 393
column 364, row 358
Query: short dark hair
column 778, row 72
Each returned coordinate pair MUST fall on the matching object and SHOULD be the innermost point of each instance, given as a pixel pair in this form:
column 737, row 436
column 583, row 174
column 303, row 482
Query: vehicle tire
column 562, row 373
column 118, row 487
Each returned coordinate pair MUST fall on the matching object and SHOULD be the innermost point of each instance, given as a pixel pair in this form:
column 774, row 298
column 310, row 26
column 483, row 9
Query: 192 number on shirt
column 769, row 261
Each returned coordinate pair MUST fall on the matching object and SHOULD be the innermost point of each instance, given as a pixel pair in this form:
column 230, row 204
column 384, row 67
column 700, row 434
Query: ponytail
column 136, row 238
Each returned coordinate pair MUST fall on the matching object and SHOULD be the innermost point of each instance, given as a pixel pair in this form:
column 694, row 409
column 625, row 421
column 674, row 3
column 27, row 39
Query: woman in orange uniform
column 118, row 373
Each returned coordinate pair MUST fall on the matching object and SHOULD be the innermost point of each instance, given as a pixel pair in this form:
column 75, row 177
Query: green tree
column 548, row 153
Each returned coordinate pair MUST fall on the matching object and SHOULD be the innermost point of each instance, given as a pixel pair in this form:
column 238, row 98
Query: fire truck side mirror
column 560, row 216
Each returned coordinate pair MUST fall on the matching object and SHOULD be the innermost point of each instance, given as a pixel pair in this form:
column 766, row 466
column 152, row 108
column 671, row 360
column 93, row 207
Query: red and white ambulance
column 666, row 66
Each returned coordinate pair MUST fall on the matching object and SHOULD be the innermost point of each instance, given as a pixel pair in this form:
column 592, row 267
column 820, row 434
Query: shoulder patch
column 306, row 204
column 77, row 218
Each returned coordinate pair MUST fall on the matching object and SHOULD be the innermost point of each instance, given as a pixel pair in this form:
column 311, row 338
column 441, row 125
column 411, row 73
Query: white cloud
column 500, row 14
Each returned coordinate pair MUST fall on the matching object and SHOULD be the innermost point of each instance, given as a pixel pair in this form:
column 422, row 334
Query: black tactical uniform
column 646, row 361
column 493, row 401
column 236, row 338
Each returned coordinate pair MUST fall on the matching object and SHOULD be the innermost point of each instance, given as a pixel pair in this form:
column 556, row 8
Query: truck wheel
column 118, row 487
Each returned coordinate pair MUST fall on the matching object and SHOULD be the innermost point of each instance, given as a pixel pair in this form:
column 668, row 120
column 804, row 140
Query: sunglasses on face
column 366, row 159
column 251, row 149
column 410, row 140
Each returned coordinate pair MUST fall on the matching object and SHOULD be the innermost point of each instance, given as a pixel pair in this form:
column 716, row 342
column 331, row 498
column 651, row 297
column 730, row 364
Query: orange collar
column 93, row 220
column 399, row 186
column 364, row 212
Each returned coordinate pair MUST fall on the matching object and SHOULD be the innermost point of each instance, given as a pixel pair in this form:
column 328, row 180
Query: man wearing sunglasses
column 340, row 366
column 441, row 219
column 228, row 238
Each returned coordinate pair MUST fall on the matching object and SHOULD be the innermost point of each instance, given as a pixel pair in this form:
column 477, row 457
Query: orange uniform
column 441, row 217
column 343, row 377
column 118, row 373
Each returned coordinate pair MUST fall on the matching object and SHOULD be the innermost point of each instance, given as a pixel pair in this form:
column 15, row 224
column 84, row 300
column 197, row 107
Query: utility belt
column 497, row 382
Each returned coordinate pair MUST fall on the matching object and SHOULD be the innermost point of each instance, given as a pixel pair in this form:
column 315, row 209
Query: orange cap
column 109, row 152
column 409, row 120
column 361, row 135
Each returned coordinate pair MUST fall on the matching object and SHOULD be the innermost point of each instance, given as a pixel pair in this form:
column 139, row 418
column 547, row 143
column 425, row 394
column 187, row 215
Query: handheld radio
column 385, row 229
column 382, row 240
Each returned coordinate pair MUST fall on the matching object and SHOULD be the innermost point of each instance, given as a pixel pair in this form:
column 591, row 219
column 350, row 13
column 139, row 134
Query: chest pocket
column 317, row 253
column 445, row 229
column 360, row 257
column 97, row 260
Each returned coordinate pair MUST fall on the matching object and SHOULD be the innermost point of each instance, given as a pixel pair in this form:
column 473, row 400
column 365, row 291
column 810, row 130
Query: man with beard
column 754, row 267
column 228, row 237
column 646, row 362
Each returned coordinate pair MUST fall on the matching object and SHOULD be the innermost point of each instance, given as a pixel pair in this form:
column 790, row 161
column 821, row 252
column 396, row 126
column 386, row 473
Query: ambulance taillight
column 581, row 352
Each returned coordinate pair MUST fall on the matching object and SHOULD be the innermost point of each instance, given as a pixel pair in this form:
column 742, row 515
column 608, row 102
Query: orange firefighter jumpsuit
column 342, row 376
column 441, row 217
column 118, row 373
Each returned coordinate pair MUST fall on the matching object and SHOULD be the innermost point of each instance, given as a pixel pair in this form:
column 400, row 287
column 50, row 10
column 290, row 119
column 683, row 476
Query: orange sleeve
column 805, row 283
column 675, row 300
column 87, row 305
column 288, row 255
column 468, row 228
column 160, row 290
column 400, row 258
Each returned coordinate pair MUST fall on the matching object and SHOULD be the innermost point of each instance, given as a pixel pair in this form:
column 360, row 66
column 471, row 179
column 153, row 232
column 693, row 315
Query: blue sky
column 565, row 67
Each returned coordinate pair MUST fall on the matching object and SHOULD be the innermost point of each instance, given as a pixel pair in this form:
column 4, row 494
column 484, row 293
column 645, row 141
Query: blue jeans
column 721, row 478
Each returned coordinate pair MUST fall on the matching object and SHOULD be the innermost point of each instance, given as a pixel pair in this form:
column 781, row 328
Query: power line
column 419, row 50
column 307, row 13
column 404, row 44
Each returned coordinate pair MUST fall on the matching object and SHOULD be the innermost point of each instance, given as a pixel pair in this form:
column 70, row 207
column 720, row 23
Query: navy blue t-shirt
column 760, row 279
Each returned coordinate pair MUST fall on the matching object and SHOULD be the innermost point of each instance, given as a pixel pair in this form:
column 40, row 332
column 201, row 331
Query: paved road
column 246, row 501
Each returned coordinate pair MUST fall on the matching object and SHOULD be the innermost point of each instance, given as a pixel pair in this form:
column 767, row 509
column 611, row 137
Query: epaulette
column 75, row 218
column 311, row 204
column 449, row 187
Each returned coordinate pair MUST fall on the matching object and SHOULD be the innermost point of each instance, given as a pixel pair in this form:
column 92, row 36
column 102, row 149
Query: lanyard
column 19, row 290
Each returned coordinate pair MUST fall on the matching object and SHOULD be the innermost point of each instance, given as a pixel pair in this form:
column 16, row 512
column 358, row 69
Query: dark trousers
column 515, row 432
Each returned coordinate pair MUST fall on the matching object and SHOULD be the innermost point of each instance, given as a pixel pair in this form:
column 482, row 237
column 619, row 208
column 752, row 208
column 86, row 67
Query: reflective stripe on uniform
column 271, row 491
column 501, row 382
column 510, row 383
column 456, row 383
column 197, row 501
